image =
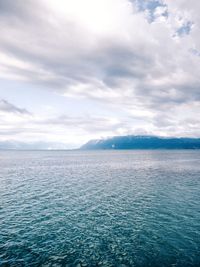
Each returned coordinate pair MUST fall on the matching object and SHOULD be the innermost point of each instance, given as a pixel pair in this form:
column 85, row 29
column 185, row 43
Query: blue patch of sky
column 150, row 6
column 185, row 28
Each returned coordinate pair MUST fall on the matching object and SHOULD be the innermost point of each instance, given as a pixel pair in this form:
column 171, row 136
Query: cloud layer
column 139, row 58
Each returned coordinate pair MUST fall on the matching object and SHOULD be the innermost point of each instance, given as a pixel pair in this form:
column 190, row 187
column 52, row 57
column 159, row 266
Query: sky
column 75, row 70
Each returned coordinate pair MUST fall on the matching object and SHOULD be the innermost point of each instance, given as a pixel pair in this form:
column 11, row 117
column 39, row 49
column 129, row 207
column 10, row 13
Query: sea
column 100, row 208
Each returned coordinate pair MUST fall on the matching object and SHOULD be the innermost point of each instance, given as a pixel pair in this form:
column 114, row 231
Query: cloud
column 24, row 131
column 5, row 106
column 132, row 56
column 75, row 47
column 21, row 129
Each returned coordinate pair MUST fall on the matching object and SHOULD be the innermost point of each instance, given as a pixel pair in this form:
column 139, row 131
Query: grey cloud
column 87, row 123
column 5, row 106
column 17, row 11
column 108, row 61
column 147, row 67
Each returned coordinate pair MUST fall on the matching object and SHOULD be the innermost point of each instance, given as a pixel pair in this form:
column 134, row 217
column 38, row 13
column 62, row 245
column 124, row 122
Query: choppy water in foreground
column 104, row 208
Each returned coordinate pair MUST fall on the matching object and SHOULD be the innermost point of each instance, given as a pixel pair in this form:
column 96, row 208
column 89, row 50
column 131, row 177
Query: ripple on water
column 106, row 208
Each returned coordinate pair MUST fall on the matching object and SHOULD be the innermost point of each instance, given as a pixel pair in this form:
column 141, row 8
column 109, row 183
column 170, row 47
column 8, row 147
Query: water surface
column 103, row 208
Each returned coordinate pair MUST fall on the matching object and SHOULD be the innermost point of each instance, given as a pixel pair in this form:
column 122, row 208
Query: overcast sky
column 74, row 70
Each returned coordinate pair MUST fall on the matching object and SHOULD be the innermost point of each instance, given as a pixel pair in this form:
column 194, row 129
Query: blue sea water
column 100, row 208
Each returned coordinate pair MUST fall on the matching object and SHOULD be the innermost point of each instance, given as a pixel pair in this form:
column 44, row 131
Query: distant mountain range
column 142, row 142
column 16, row 145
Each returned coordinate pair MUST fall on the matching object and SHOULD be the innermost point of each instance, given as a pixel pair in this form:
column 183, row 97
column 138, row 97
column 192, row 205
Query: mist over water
column 100, row 208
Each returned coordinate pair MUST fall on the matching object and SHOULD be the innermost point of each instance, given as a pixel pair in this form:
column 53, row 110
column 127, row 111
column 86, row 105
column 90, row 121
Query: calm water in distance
column 100, row 208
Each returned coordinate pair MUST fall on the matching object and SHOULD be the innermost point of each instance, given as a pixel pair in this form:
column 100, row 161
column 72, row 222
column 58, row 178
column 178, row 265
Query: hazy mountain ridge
column 16, row 145
column 143, row 142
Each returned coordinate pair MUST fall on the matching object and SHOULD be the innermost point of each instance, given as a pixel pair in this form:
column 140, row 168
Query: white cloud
column 131, row 58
